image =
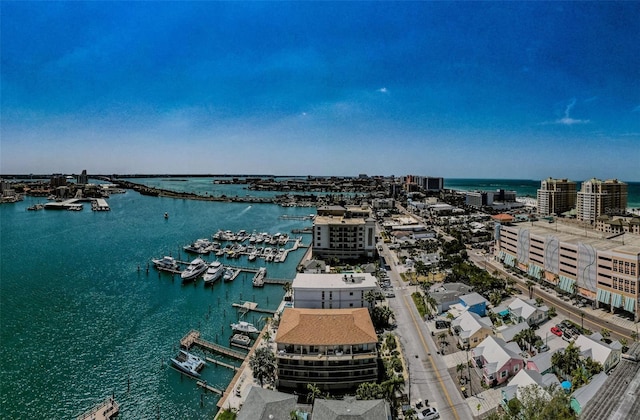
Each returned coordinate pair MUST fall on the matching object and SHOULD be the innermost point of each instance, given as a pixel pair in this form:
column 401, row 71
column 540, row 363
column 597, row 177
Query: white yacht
column 166, row 263
column 188, row 363
column 244, row 327
column 195, row 268
column 214, row 272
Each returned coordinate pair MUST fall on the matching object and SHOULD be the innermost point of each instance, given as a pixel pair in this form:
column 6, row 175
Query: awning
column 534, row 271
column 616, row 300
column 566, row 284
column 509, row 260
column 504, row 313
column 603, row 296
column 629, row 304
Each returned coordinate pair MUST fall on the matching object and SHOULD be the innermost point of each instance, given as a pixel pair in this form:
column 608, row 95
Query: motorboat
column 244, row 327
column 195, row 268
column 258, row 279
column 228, row 274
column 188, row 363
column 214, row 272
column 166, row 263
column 200, row 246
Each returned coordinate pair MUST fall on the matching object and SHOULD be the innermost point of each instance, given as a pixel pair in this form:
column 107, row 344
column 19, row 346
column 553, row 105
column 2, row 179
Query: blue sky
column 454, row 89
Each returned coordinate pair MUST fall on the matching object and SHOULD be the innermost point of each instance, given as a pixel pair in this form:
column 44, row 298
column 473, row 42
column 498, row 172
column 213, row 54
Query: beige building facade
column 556, row 196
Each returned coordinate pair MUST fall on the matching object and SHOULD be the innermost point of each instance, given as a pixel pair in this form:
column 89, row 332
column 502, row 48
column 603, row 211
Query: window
column 515, row 368
column 350, row 293
column 503, row 374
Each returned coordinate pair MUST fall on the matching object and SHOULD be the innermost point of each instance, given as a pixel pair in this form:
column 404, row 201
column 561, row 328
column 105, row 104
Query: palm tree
column 314, row 392
column 263, row 365
column 287, row 289
column 370, row 297
column 460, row 367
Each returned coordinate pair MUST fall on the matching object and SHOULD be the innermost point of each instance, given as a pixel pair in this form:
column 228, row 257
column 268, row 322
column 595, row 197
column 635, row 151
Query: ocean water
column 81, row 319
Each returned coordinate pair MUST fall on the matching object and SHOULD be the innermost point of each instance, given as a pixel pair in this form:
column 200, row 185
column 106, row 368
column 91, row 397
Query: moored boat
column 195, row 268
column 244, row 327
column 258, row 279
column 228, row 274
column 188, row 363
column 241, row 339
column 166, row 263
column 214, row 272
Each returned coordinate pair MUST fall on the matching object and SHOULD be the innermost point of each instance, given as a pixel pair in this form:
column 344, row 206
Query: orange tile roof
column 321, row 327
column 503, row 217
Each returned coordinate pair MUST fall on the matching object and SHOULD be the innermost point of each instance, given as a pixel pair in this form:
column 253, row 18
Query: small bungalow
column 607, row 355
column 585, row 393
column 526, row 378
column 471, row 329
column 350, row 409
column 498, row 360
column 527, row 311
column 264, row 404
column 474, row 302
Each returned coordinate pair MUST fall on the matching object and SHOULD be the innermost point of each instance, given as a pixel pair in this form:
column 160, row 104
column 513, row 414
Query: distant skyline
column 511, row 90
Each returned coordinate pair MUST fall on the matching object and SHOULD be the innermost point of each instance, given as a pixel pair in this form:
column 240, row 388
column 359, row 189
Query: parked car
column 428, row 413
column 543, row 348
column 557, row 331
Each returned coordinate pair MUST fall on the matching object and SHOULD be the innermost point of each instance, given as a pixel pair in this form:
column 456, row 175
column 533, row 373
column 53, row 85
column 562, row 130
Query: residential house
column 526, row 378
column 351, row 409
column 471, row 329
column 508, row 332
column 541, row 362
column 498, row 360
column 527, row 311
column 264, row 404
column 449, row 294
column 474, row 302
column 336, row 349
column 581, row 397
column 607, row 355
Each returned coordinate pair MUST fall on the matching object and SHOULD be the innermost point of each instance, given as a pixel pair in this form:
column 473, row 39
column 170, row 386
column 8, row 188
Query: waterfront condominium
column 556, row 196
column 597, row 198
column 344, row 233
column 333, row 291
column 579, row 262
column 335, row 349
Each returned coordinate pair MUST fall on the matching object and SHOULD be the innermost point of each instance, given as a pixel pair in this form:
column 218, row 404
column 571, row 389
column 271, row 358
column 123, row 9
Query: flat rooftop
column 333, row 281
column 573, row 232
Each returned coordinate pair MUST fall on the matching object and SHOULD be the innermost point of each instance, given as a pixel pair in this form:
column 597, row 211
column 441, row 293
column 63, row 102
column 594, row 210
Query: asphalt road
column 429, row 378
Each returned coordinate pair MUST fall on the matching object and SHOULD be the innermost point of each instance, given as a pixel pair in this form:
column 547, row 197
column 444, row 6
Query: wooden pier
column 193, row 339
column 209, row 387
column 219, row 363
column 245, row 307
column 106, row 410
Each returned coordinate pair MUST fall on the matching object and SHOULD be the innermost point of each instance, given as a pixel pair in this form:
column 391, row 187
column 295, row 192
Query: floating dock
column 219, row 363
column 252, row 306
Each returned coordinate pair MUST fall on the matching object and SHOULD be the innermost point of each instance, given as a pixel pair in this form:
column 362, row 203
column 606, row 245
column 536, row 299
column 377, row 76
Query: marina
column 193, row 339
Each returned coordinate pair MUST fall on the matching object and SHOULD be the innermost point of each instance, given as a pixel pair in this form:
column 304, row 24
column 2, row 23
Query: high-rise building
column 83, row 179
column 597, row 198
column 556, row 196
column 344, row 233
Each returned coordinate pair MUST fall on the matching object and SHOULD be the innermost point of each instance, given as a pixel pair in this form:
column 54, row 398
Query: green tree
column 369, row 391
column 370, row 297
column 460, row 367
column 314, row 392
column 263, row 365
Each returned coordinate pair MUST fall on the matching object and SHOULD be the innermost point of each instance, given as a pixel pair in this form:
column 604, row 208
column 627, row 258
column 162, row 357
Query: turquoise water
column 80, row 321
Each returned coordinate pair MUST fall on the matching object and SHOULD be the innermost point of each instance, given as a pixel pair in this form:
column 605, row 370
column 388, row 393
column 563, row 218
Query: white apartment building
column 332, row 291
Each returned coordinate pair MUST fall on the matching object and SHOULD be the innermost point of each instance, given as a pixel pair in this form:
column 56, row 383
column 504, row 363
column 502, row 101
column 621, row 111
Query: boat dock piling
column 209, row 387
column 193, row 339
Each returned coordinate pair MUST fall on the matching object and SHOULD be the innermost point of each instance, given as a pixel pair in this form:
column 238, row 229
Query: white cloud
column 383, row 90
column 566, row 119
column 636, row 109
